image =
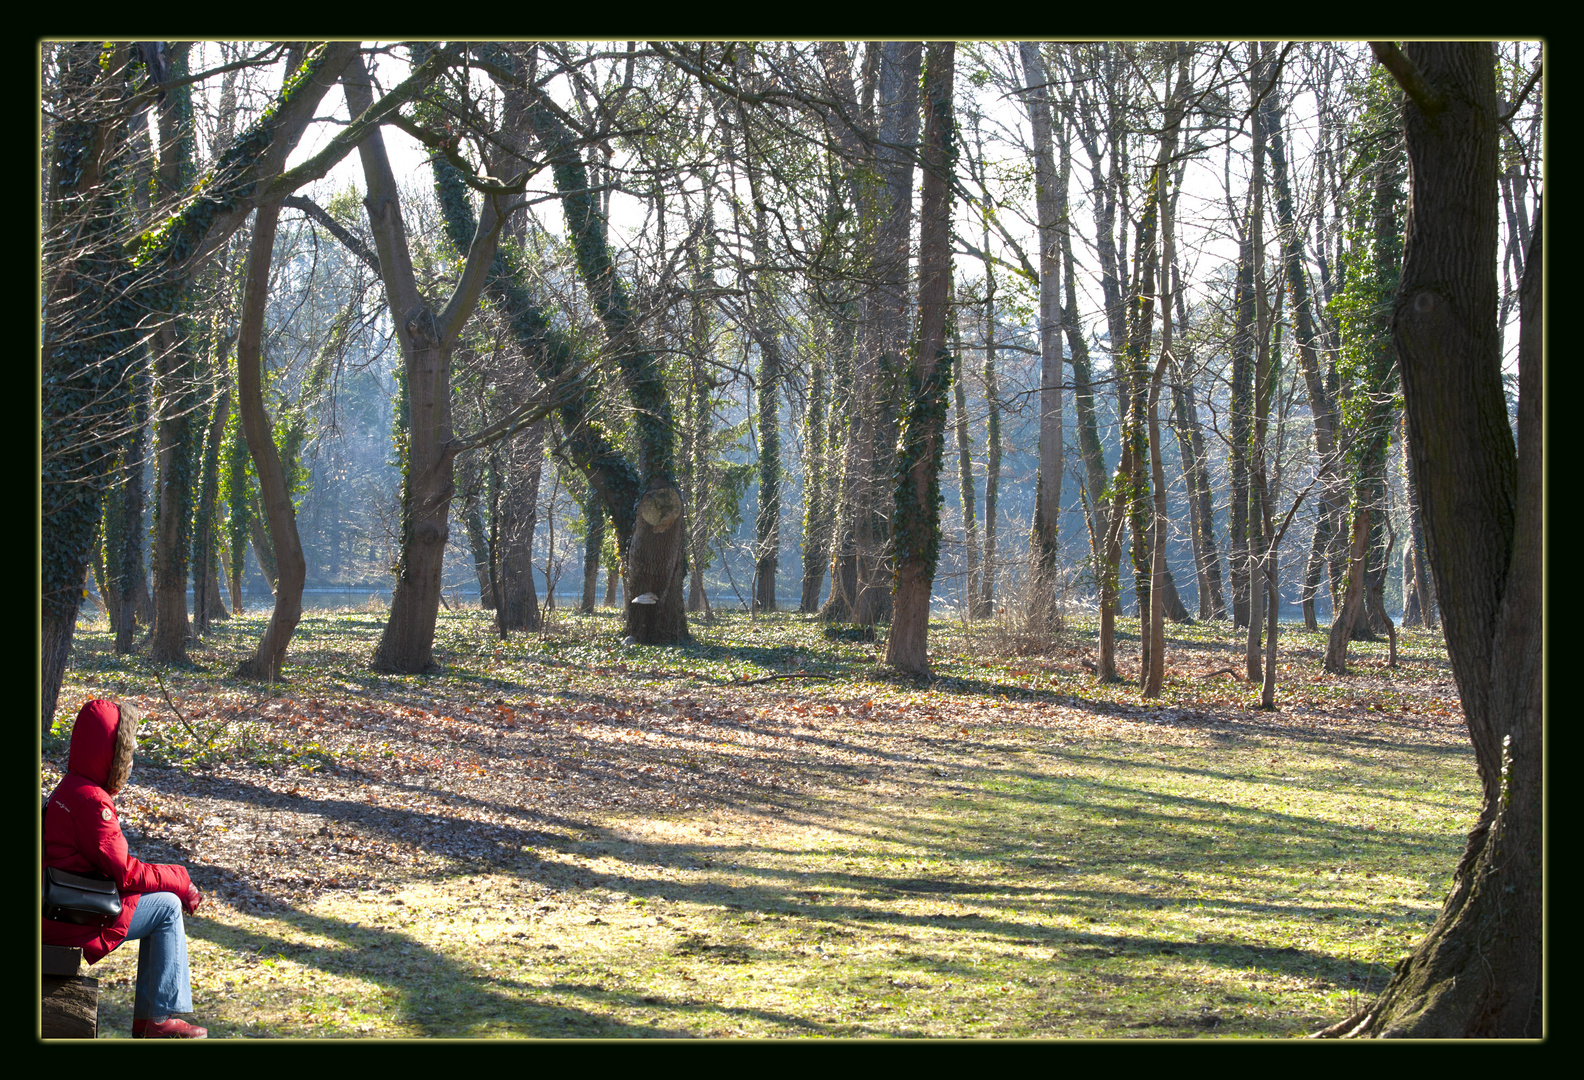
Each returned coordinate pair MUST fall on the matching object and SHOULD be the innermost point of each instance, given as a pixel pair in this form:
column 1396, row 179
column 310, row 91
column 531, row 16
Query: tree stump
column 69, row 1001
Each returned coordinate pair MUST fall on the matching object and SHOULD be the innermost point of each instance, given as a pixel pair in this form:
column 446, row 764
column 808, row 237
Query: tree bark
column 523, row 465
column 127, row 575
column 593, row 542
column 923, row 439
column 206, row 590
column 426, row 341
column 280, row 515
column 473, row 522
column 965, row 491
column 817, row 518
column 1152, row 623
column 1322, row 406
column 1479, row 973
column 1050, row 206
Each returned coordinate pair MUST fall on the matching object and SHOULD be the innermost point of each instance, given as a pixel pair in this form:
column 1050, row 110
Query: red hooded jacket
column 82, row 834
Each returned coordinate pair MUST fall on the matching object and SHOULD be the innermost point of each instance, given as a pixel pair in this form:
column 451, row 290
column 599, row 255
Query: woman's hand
column 192, row 900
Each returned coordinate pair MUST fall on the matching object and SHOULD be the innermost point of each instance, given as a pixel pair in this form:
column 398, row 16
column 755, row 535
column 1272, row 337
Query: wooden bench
column 70, row 1002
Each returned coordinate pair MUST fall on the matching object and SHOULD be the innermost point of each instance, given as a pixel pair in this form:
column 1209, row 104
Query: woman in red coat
column 83, row 835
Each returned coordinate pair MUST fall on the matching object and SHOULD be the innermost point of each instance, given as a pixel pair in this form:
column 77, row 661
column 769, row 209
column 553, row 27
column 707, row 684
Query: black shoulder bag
column 86, row 899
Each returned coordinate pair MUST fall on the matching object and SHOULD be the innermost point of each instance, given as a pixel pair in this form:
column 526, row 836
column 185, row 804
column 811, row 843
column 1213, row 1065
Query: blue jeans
column 163, row 986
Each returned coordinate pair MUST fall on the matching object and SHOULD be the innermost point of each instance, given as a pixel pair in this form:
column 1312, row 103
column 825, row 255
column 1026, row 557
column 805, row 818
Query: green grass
column 1021, row 852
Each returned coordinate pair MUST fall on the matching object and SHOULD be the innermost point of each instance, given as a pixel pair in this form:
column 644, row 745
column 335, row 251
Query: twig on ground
column 160, row 676
column 775, row 678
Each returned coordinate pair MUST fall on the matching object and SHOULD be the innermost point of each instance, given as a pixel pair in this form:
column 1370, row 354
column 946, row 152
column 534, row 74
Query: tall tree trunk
column 281, row 516
column 697, row 464
column 1322, row 406
column 884, row 333
column 1480, row 971
column 206, row 592
column 1242, row 408
column 178, row 432
column 816, row 495
column 984, row 604
column 1152, row 623
column 965, row 489
column 426, row 341
column 1418, row 597
column 923, row 439
column 766, row 334
column 1050, row 204
column 127, row 552
column 178, row 440
column 854, row 133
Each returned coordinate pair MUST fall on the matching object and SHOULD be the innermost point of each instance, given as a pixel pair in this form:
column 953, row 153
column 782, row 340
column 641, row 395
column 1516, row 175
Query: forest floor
column 758, row 836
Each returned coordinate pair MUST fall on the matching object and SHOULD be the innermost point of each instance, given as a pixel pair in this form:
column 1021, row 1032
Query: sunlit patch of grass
column 1047, row 856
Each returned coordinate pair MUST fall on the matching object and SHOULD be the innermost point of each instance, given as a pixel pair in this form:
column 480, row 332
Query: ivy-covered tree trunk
column 883, row 335
column 1418, row 598
column 88, row 339
column 1371, row 360
column 698, row 412
column 817, row 517
column 767, row 524
column 593, row 541
column 206, row 590
column 852, row 496
column 124, row 524
column 656, row 553
column 523, row 459
column 1480, row 971
column 178, row 431
column 923, row 439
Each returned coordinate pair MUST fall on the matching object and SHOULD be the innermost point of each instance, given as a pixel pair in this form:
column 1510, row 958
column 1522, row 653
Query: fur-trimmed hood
column 103, row 740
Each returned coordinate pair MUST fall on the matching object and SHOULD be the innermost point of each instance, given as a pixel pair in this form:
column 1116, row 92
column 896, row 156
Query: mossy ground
column 1011, row 850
